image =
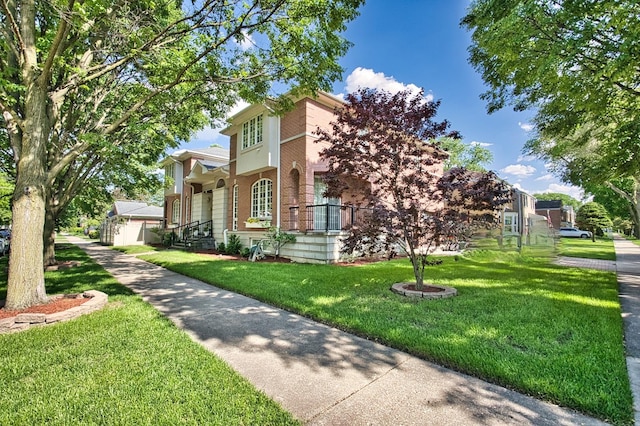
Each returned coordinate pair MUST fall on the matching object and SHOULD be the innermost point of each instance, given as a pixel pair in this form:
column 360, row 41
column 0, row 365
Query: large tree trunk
column 25, row 285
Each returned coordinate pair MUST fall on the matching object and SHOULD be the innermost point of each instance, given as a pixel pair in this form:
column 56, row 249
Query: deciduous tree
column 470, row 156
column 382, row 149
column 593, row 217
column 74, row 75
column 575, row 64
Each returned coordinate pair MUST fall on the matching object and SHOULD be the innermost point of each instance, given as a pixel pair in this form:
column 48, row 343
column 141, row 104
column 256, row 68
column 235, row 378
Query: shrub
column 168, row 238
column 279, row 238
column 94, row 234
column 234, row 245
column 222, row 248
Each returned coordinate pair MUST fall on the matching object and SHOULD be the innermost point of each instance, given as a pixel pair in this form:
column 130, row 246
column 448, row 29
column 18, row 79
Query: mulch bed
column 56, row 304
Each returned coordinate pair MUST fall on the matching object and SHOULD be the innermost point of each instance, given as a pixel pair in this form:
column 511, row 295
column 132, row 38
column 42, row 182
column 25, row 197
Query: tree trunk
column 634, row 202
column 49, row 238
column 417, row 271
column 25, row 286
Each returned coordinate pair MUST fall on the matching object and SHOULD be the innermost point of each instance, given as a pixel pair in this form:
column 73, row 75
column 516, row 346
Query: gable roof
column 136, row 210
column 215, row 154
column 203, row 170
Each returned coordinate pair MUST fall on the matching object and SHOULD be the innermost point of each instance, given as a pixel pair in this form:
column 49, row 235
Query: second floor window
column 169, row 173
column 252, row 132
column 261, row 193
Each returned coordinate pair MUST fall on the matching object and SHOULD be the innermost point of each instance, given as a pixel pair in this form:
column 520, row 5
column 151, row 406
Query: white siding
column 263, row 156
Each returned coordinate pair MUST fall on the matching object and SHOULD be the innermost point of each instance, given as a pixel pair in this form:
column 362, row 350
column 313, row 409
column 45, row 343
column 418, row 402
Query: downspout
column 279, row 174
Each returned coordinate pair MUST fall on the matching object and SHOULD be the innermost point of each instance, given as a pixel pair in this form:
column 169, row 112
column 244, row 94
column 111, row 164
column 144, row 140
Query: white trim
column 279, row 176
column 311, row 135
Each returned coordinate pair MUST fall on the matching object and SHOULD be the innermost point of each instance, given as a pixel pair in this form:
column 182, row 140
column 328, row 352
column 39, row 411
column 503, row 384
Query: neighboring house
column 196, row 190
column 520, row 221
column 131, row 223
column 557, row 214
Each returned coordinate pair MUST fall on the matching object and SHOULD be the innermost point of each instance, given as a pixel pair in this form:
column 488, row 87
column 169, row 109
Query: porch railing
column 193, row 235
column 326, row 217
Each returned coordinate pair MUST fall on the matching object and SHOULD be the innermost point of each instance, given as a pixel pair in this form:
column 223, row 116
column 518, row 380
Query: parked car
column 574, row 233
column 5, row 241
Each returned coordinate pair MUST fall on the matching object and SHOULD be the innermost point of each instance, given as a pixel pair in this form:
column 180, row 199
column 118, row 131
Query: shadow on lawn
column 276, row 349
column 88, row 275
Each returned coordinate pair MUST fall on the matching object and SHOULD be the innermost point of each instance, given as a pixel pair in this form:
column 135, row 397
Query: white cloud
column 519, row 170
column 482, row 144
column 247, row 41
column 570, row 190
column 548, row 176
column 527, row 127
column 210, row 135
column 522, row 158
column 521, row 188
column 365, row 77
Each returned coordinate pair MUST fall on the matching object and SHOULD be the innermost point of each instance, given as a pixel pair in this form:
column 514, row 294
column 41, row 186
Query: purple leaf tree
column 382, row 154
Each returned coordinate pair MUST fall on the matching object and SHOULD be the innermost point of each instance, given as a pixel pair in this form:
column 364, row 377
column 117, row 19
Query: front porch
column 325, row 217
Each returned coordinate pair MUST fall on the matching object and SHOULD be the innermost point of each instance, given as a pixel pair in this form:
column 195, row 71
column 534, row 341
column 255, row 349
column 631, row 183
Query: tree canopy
column 593, row 217
column 470, row 156
column 82, row 83
column 575, row 64
column 382, row 150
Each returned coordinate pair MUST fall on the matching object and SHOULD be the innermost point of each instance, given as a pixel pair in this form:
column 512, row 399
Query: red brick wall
column 299, row 162
column 555, row 215
column 302, row 155
column 293, row 122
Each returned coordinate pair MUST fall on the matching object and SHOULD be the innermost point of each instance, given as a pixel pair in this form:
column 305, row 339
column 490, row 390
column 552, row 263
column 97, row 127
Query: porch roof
column 204, row 171
column 136, row 210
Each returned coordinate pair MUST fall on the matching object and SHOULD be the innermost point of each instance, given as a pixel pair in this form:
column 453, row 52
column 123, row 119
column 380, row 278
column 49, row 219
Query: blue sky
column 420, row 44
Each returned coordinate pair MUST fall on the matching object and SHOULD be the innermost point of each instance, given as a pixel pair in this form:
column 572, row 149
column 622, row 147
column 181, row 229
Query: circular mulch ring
column 58, row 308
column 429, row 291
column 57, row 303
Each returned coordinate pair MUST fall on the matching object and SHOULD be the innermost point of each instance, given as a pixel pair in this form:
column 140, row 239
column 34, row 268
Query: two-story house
column 521, row 225
column 275, row 176
column 272, row 177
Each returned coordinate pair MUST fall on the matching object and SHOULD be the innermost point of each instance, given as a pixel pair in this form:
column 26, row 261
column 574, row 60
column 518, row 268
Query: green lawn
column 125, row 364
column 138, row 249
column 601, row 249
column 634, row 240
column 551, row 332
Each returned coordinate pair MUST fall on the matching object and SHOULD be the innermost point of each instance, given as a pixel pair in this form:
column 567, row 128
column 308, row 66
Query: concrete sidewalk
column 324, row 376
column 628, row 272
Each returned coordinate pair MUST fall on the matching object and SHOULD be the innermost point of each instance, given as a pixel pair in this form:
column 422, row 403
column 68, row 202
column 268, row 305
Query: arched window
column 261, row 194
column 175, row 211
column 220, row 183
